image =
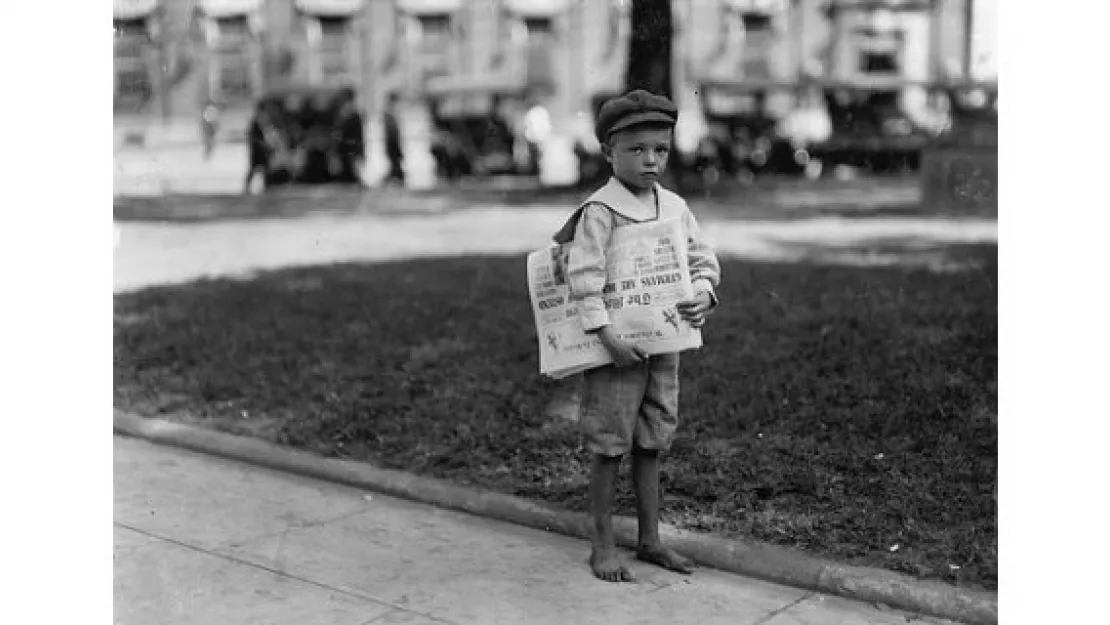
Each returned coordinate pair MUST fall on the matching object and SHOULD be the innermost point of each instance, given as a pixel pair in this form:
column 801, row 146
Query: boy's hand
column 695, row 310
column 623, row 352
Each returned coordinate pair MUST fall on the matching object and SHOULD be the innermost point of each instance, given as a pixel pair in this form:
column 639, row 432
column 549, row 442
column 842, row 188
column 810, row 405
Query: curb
column 743, row 557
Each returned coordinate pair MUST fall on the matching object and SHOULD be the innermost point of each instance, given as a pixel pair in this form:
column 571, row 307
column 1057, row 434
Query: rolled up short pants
column 635, row 405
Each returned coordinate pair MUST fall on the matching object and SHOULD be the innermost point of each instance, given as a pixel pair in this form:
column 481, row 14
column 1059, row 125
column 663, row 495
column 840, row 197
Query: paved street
column 149, row 253
column 179, row 168
column 209, row 541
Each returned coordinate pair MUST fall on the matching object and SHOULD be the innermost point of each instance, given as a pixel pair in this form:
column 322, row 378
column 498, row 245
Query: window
column 131, row 39
column 540, row 72
column 235, row 80
column 130, row 49
column 132, row 77
column 334, row 33
column 878, row 62
column 233, row 27
column 759, row 41
column 234, row 75
column 757, row 22
column 334, row 66
column 334, row 26
column 131, row 28
column 435, row 31
column 880, row 51
column 435, row 44
column 133, row 83
column 538, row 27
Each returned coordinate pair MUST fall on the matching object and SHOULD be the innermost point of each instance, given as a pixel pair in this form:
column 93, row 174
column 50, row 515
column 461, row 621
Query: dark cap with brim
column 633, row 109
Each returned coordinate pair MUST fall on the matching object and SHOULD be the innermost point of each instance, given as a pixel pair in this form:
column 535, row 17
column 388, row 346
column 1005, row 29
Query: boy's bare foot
column 607, row 566
column 666, row 558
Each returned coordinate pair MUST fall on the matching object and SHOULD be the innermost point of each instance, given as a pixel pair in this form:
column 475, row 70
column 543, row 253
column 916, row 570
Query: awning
column 473, row 84
column 425, row 7
column 869, row 6
column 536, row 8
column 228, row 8
column 133, row 9
column 757, row 6
column 337, row 8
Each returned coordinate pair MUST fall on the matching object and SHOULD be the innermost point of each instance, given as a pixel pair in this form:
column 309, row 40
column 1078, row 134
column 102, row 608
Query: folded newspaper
column 648, row 274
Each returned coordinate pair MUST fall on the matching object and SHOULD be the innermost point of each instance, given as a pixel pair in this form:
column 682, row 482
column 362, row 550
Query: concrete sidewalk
column 199, row 540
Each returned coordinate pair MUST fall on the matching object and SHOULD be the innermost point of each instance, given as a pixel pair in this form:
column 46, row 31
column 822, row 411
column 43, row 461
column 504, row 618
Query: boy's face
column 639, row 155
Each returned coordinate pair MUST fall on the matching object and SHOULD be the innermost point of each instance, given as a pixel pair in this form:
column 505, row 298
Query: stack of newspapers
column 648, row 274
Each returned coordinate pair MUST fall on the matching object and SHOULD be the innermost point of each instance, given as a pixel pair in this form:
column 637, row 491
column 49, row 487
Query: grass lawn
column 846, row 411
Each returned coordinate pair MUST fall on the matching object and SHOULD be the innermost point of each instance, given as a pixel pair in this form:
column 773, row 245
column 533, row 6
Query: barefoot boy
column 631, row 406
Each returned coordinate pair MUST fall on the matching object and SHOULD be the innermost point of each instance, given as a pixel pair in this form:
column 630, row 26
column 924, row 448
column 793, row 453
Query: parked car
column 306, row 135
column 869, row 131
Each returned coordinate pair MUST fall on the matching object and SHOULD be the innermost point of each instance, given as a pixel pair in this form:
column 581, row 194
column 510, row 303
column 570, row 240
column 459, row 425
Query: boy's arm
column 705, row 270
column 586, row 265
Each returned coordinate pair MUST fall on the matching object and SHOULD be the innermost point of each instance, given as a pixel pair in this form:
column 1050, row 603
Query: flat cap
column 631, row 109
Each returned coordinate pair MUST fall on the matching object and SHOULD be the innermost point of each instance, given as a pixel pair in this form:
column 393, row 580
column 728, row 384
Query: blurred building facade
column 172, row 57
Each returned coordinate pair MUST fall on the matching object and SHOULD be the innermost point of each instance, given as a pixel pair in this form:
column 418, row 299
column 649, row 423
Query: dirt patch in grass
column 847, row 411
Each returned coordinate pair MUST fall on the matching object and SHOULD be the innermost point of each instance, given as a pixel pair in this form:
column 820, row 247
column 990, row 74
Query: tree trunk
column 649, row 54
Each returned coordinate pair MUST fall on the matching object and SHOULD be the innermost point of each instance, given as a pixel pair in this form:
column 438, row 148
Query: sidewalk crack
column 427, row 616
column 784, row 608
column 286, row 530
column 231, row 558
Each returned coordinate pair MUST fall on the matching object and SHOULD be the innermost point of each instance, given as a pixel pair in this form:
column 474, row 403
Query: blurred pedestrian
column 319, row 145
column 257, row 148
column 352, row 143
column 535, row 129
column 394, row 150
column 209, row 127
column 269, row 150
column 500, row 135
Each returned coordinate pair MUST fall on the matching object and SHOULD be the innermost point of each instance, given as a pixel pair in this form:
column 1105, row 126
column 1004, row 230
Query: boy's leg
column 610, row 402
column 645, row 480
column 655, row 426
column 604, row 560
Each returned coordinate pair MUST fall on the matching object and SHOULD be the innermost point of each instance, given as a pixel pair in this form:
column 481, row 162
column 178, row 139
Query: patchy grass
column 846, row 411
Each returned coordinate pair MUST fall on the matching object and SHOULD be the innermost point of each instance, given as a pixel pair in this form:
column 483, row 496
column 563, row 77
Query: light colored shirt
column 592, row 225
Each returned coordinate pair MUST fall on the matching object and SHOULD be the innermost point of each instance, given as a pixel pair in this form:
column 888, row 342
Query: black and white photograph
column 483, row 312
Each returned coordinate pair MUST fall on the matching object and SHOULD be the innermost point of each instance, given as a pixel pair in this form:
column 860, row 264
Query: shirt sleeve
column 705, row 269
column 586, row 265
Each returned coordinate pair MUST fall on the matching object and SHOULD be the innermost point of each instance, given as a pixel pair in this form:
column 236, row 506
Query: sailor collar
column 620, row 200
column 617, row 198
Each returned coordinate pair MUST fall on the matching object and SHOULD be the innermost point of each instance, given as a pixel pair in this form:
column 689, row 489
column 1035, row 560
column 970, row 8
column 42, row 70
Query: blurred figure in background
column 499, row 137
column 352, row 143
column 447, row 150
column 319, row 145
column 292, row 122
column 537, row 128
column 257, row 147
column 209, row 126
column 269, row 150
column 393, row 148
